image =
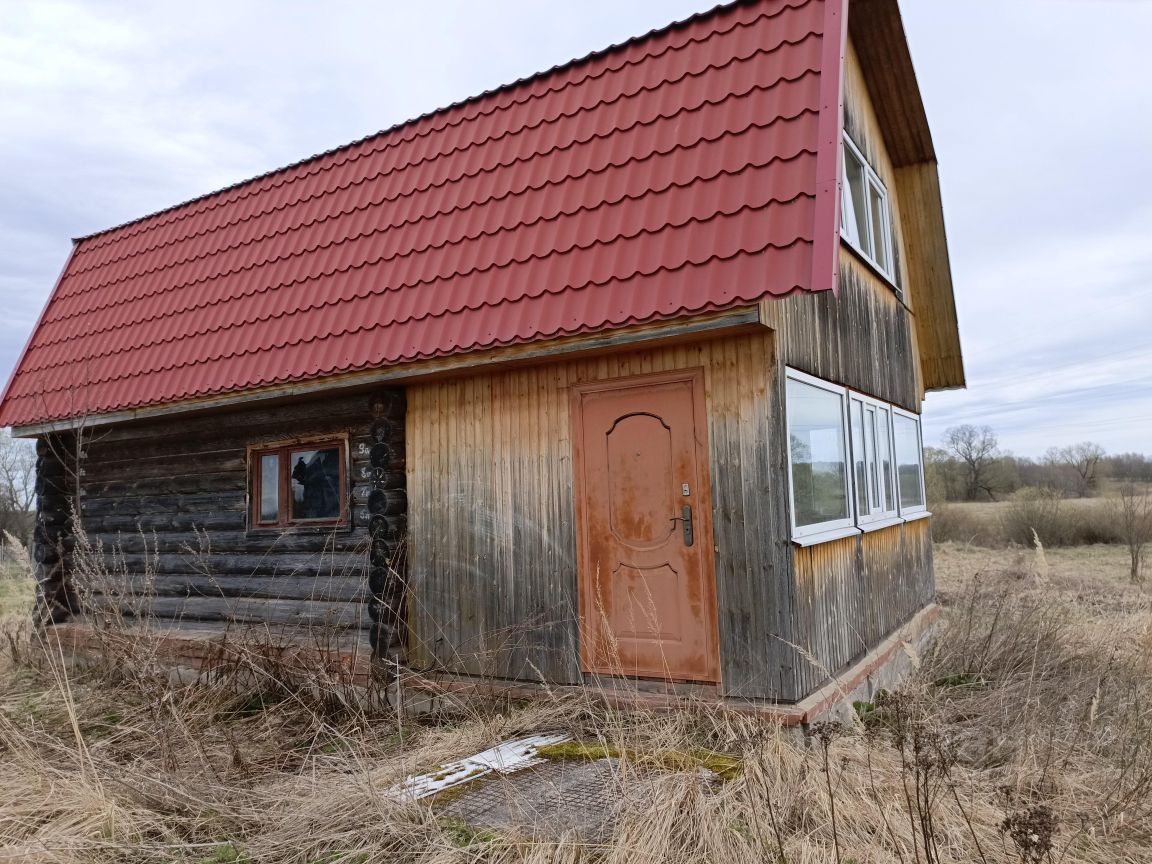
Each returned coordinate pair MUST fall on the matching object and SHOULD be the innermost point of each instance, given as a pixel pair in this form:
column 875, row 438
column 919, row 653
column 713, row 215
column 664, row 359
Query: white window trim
column 891, row 516
column 910, row 513
column 871, row 178
column 822, row 531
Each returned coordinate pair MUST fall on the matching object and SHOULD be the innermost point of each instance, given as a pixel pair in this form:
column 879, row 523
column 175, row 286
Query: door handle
column 686, row 518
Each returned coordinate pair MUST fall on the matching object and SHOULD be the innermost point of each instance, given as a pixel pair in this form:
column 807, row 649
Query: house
column 612, row 372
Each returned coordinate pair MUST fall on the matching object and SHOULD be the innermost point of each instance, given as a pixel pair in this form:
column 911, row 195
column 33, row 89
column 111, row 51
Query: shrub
column 1057, row 521
column 964, row 524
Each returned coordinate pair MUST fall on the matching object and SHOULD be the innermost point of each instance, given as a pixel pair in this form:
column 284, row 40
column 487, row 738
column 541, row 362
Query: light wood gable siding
column 164, row 504
column 493, row 576
column 884, row 114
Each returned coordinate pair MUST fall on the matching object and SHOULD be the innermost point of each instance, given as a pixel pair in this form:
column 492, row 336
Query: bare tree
column 977, row 450
column 17, row 485
column 1083, row 461
column 1132, row 513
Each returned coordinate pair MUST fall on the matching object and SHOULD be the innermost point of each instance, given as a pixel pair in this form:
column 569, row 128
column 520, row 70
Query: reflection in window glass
column 859, row 458
column 884, row 449
column 269, row 487
column 879, row 250
column 855, row 204
column 315, row 483
column 870, row 436
column 908, row 460
column 817, row 445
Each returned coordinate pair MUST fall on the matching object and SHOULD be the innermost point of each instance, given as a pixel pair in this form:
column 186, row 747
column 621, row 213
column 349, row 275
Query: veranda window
column 873, row 460
column 909, row 462
column 855, row 463
column 818, row 448
column 302, row 483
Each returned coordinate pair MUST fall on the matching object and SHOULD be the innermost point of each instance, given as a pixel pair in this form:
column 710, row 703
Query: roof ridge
column 519, row 82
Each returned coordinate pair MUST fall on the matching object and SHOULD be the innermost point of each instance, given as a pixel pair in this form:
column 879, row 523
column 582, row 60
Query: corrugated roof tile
column 669, row 176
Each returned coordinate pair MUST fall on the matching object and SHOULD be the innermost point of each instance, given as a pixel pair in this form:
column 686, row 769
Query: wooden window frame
column 871, row 180
column 283, row 449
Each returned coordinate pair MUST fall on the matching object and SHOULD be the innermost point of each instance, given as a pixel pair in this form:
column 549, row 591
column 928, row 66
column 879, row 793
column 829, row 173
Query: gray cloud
column 112, row 110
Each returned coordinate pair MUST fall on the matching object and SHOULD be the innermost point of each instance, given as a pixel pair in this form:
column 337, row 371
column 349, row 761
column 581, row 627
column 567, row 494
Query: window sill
column 881, row 524
column 826, row 536
column 279, row 530
column 919, row 514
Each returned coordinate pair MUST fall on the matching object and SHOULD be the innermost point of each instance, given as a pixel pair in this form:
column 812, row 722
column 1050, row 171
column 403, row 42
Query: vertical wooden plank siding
column 865, row 337
column 852, row 593
column 862, row 338
column 493, row 571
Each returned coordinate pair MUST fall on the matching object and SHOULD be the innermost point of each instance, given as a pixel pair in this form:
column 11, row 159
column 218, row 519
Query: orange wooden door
column 647, row 592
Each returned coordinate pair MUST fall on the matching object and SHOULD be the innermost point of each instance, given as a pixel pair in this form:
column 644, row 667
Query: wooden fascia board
column 730, row 321
column 930, row 271
column 877, row 32
column 830, row 129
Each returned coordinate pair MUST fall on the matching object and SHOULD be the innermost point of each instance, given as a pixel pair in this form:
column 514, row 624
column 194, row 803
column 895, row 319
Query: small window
column 909, row 461
column 818, row 447
column 865, row 222
column 299, row 484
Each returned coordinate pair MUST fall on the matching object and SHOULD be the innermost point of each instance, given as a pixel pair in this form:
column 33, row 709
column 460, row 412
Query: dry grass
column 1058, row 521
column 1033, row 714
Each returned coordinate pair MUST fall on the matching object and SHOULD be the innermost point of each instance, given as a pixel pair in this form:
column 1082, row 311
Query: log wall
column 52, row 538
column 164, row 508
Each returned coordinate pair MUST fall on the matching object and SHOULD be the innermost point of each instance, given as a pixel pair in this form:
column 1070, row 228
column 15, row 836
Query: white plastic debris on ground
column 505, row 758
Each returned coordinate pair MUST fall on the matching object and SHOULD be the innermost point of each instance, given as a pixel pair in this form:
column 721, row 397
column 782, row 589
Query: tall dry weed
column 1027, row 720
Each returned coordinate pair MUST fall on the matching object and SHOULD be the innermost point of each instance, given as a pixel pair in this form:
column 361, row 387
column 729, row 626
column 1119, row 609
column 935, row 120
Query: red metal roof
column 668, row 176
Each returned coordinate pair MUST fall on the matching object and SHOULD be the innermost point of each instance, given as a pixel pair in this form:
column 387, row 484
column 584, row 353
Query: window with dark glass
column 299, row 484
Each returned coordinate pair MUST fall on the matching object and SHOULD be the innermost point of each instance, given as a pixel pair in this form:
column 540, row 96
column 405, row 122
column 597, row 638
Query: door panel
column 648, row 595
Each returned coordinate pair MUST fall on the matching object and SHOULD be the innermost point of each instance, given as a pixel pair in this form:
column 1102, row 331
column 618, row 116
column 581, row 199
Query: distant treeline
column 971, row 466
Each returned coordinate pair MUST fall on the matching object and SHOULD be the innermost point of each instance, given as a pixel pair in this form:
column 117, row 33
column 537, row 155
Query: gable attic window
column 864, row 218
column 301, row 483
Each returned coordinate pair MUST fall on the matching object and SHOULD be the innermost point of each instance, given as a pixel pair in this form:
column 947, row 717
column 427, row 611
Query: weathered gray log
column 331, row 587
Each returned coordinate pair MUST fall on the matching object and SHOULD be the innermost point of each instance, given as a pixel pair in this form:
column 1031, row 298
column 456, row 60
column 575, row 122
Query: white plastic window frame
column 921, row 510
column 822, row 532
column 878, row 516
column 872, row 179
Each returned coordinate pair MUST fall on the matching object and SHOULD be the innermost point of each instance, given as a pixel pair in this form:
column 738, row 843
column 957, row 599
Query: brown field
column 1026, row 735
column 1057, row 521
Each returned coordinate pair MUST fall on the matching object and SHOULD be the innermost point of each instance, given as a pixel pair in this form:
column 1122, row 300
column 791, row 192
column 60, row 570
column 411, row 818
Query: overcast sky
column 1041, row 112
